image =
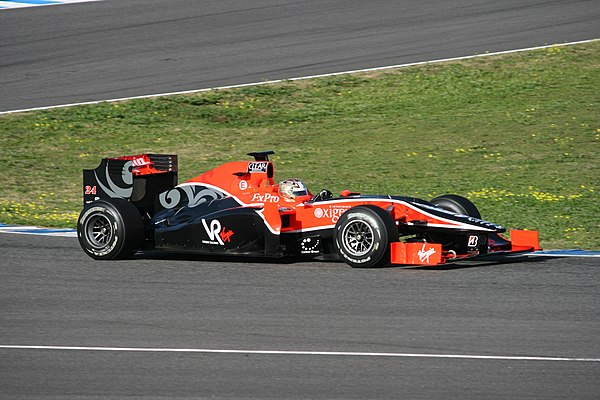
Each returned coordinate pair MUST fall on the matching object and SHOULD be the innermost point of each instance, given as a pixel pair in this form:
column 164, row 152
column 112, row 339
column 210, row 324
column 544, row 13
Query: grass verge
column 518, row 134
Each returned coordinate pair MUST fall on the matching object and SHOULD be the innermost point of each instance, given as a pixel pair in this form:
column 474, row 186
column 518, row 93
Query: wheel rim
column 99, row 231
column 358, row 238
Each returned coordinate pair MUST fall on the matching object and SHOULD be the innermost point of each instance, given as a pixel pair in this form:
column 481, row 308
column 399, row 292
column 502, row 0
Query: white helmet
column 290, row 188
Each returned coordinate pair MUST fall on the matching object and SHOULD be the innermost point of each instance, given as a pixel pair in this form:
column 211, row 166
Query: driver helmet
column 291, row 188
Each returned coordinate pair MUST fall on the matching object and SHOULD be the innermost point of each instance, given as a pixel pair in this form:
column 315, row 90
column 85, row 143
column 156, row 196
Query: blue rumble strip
column 7, row 5
column 34, row 230
column 567, row 253
column 38, row 2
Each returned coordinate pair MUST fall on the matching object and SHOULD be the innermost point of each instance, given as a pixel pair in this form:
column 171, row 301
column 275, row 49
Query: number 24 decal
column 90, row 189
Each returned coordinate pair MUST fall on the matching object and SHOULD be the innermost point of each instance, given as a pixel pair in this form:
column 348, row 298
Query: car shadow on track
column 159, row 255
column 516, row 259
column 451, row 265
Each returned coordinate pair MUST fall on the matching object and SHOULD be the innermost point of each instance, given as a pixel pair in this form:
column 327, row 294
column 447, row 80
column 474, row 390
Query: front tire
column 460, row 205
column 457, row 204
column 362, row 236
column 110, row 229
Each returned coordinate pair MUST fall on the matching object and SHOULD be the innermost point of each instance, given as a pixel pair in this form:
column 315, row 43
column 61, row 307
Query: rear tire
column 362, row 236
column 110, row 229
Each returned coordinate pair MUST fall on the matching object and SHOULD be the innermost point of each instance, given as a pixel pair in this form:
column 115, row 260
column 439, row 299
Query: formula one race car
column 133, row 203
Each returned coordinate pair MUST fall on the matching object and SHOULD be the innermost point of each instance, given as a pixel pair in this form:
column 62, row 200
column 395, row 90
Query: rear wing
column 138, row 178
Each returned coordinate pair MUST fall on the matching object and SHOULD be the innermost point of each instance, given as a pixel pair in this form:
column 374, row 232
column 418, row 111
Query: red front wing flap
column 416, row 253
column 524, row 240
column 425, row 253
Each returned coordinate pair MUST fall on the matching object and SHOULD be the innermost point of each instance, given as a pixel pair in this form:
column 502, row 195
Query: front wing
column 431, row 254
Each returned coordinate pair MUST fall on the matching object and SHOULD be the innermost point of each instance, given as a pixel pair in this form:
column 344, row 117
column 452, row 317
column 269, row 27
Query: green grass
column 517, row 134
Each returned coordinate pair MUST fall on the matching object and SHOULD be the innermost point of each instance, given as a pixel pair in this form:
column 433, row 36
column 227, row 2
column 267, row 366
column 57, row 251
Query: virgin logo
column 425, row 254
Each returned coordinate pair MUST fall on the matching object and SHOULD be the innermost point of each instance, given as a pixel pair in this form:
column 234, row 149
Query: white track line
column 301, row 78
column 300, row 353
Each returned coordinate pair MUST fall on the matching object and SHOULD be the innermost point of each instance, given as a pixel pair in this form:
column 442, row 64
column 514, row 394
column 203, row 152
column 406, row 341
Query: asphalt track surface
column 52, row 294
column 120, row 48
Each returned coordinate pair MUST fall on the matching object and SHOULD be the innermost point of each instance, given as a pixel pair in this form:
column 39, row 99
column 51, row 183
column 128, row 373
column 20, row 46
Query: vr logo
column 213, row 231
column 216, row 234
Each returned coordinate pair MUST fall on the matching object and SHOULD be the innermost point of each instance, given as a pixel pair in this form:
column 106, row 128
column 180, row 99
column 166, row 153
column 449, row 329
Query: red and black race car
column 133, row 203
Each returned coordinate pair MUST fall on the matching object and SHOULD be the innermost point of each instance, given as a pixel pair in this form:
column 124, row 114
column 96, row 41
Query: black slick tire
column 457, row 204
column 110, row 229
column 363, row 235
